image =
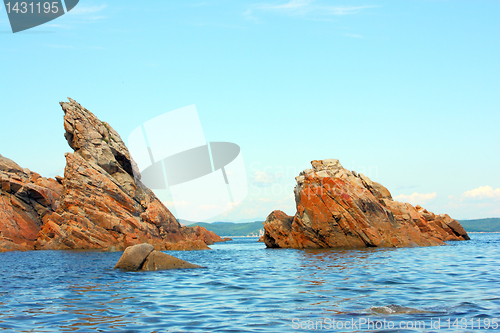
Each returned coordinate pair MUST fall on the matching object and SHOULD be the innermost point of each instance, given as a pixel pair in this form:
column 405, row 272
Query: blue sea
column 248, row 288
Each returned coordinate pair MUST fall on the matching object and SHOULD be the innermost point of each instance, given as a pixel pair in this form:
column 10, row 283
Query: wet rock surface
column 133, row 257
column 144, row 257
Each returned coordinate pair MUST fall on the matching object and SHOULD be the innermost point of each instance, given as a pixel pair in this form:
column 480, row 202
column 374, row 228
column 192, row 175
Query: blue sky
column 407, row 92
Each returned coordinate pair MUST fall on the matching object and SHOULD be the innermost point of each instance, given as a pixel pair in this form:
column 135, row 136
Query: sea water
column 248, row 288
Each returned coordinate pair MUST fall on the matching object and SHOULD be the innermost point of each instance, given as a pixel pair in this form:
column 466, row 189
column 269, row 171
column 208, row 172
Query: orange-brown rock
column 26, row 199
column 103, row 206
column 337, row 208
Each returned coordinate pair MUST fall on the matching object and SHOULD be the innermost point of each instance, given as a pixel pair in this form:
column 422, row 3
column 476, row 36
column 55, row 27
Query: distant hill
column 186, row 222
column 481, row 225
column 231, row 228
column 245, row 229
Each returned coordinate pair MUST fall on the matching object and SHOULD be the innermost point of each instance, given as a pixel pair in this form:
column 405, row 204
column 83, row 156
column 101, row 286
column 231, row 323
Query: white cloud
column 307, row 7
column 180, row 203
column 346, row 10
column 263, row 178
column 209, row 207
column 482, row 192
column 87, row 14
column 285, row 208
column 416, row 198
column 84, row 10
column 55, row 46
column 248, row 15
column 480, row 202
column 258, row 208
column 354, row 36
column 292, row 5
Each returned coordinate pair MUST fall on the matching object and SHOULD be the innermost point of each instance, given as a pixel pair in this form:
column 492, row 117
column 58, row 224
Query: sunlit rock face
column 337, row 208
column 99, row 204
column 103, row 205
column 26, row 199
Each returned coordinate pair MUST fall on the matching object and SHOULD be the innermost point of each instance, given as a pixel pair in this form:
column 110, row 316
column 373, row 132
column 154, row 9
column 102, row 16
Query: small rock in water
column 395, row 309
column 134, row 257
column 157, row 261
column 144, row 257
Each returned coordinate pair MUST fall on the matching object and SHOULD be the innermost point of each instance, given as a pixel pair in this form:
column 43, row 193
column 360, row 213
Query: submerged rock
column 26, row 199
column 337, row 208
column 157, row 261
column 144, row 257
column 134, row 257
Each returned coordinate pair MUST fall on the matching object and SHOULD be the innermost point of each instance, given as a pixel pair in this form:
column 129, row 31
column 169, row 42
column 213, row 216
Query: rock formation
column 134, row 257
column 158, row 261
column 144, row 257
column 26, row 199
column 99, row 204
column 337, row 208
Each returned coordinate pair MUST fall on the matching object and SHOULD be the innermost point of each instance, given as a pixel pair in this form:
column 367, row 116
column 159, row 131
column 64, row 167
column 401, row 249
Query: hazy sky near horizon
column 406, row 92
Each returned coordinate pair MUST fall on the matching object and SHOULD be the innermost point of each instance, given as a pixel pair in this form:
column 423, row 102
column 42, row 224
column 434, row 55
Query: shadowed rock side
column 144, row 257
column 158, row 261
column 134, row 257
column 26, row 199
column 102, row 205
column 337, row 208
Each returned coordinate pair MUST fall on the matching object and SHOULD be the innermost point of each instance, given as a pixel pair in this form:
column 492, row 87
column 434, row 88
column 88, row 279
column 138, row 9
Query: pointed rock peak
column 329, row 164
column 8, row 165
column 98, row 205
column 5, row 161
column 85, row 130
column 95, row 140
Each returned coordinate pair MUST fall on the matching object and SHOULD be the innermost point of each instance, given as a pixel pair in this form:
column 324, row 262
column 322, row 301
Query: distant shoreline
column 242, row 229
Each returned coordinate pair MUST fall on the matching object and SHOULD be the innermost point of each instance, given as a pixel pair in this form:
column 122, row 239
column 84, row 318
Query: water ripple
column 247, row 288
